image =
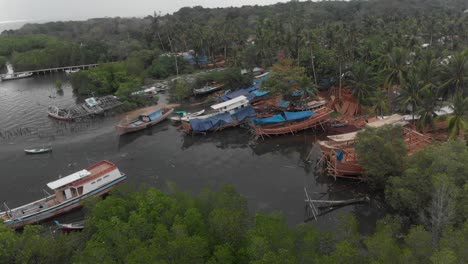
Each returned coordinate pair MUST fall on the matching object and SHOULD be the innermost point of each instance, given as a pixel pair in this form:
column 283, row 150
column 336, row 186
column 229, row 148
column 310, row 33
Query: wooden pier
column 58, row 69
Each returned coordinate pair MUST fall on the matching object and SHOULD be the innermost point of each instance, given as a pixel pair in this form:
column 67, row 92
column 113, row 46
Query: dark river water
column 271, row 174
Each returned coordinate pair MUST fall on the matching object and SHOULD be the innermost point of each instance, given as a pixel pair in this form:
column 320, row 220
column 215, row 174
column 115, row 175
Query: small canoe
column 75, row 226
column 38, row 150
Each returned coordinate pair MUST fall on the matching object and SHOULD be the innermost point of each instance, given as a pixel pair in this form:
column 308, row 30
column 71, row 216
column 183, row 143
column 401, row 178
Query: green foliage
column 232, row 78
column 286, row 77
column 58, row 84
column 165, row 66
column 148, row 226
column 413, row 190
column 180, row 90
column 3, row 61
column 106, row 79
column 381, row 152
column 34, row 52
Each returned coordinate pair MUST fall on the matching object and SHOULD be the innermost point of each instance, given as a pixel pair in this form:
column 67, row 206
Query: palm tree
column 455, row 75
column 410, row 94
column 396, row 66
column 379, row 103
column 427, row 106
column 362, row 81
column 457, row 122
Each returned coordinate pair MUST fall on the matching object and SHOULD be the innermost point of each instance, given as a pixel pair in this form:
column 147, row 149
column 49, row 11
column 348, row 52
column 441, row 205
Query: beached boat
column 14, row 76
column 72, row 71
column 59, row 113
column 291, row 122
column 208, row 88
column 69, row 191
column 70, row 227
column 182, row 115
column 38, row 150
column 217, row 121
column 146, row 117
column 227, row 114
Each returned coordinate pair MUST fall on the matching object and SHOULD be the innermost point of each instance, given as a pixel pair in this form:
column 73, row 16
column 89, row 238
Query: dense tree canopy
column 150, row 226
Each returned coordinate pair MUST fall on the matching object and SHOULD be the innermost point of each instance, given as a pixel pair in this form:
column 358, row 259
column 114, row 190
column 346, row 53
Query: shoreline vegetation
column 409, row 57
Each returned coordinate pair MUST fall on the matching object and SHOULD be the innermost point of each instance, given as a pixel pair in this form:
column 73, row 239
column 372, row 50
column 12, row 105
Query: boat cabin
column 230, row 105
column 84, row 181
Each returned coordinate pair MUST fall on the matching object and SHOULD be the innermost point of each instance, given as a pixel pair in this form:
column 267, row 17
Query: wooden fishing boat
column 38, row 150
column 59, row 113
column 70, row 227
column 182, row 115
column 146, row 117
column 288, row 125
column 214, row 86
column 69, row 191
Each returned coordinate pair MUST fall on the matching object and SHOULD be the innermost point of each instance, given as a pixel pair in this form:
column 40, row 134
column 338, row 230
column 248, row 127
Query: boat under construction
column 339, row 153
column 291, row 122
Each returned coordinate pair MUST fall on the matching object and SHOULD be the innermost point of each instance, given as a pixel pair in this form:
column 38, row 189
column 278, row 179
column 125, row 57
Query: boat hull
column 320, row 118
column 16, row 77
column 62, row 208
column 202, row 91
column 124, row 129
column 31, row 151
column 61, row 118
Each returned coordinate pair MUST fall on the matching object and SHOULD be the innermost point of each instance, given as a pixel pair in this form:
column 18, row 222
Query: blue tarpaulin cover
column 243, row 113
column 339, row 155
column 155, row 115
column 250, row 96
column 191, row 59
column 269, row 120
column 283, row 103
column 206, row 124
column 298, row 115
column 260, row 93
column 231, row 95
column 252, row 88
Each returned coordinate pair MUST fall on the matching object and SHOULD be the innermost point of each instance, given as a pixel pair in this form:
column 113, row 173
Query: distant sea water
column 17, row 24
column 12, row 25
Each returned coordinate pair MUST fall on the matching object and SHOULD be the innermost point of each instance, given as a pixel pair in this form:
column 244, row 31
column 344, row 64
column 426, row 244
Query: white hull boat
column 69, row 192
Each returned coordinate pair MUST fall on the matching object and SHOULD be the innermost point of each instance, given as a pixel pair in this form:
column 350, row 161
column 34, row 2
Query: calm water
column 271, row 174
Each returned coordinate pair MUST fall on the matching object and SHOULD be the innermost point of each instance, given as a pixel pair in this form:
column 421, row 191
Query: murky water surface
column 271, row 174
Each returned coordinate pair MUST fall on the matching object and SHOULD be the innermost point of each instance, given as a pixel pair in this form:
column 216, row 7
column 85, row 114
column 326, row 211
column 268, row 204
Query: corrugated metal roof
column 68, row 179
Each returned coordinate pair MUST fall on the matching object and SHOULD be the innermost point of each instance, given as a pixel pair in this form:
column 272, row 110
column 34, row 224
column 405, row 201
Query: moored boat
column 214, row 86
column 69, row 191
column 70, row 227
column 14, row 76
column 70, row 71
column 217, row 121
column 38, row 150
column 146, row 117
